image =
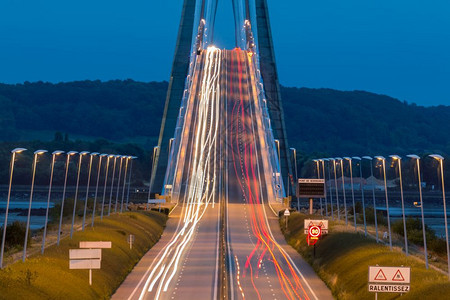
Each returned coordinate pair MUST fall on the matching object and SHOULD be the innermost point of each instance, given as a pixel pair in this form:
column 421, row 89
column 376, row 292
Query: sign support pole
column 310, row 206
column 90, row 276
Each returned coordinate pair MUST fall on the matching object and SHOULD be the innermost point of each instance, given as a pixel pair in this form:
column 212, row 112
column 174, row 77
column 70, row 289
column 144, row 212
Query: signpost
column 311, row 188
column 88, row 257
column 389, row 280
column 323, row 224
column 287, row 213
column 131, row 240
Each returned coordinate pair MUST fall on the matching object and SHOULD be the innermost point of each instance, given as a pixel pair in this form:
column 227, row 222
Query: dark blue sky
column 395, row 47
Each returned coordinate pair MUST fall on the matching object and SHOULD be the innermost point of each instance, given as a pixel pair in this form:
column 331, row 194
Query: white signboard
column 310, row 180
column 323, row 224
column 388, row 288
column 90, row 245
column 84, row 263
column 395, row 275
column 287, row 212
column 154, row 201
column 85, row 253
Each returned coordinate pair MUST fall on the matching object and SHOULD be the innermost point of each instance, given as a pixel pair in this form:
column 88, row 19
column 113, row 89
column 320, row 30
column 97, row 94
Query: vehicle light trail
column 201, row 173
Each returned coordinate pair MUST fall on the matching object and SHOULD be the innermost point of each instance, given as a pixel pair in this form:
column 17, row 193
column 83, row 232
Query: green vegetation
column 342, row 260
column 48, row 276
column 15, row 234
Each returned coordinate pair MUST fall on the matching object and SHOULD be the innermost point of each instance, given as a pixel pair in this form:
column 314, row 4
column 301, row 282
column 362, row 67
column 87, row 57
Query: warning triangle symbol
column 398, row 276
column 380, row 275
column 321, row 224
column 311, row 224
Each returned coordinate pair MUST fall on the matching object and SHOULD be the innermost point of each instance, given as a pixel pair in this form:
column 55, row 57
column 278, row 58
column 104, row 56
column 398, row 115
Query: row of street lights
column 395, row 158
column 128, row 160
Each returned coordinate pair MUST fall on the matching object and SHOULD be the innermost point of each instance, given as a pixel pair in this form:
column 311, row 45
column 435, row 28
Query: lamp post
column 341, row 161
column 83, row 153
column 96, row 186
column 383, row 160
column 325, row 183
column 118, row 182
column 294, row 151
column 399, row 159
column 155, row 153
column 373, row 195
column 441, row 163
column 129, row 179
column 417, row 158
column 362, row 192
column 112, row 184
column 36, row 153
column 54, row 154
column 318, row 177
column 69, row 154
column 127, row 158
column 87, row 188
column 5, row 223
column 104, row 187
column 331, row 194
column 353, row 192
column 336, row 188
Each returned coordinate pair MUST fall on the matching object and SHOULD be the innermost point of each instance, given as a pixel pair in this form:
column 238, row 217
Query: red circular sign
column 315, row 231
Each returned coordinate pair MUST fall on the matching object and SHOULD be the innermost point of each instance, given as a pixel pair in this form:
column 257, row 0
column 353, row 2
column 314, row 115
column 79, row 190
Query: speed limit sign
column 315, row 231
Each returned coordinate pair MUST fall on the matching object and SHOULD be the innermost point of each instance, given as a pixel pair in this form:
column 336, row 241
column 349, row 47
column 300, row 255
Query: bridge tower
column 180, row 69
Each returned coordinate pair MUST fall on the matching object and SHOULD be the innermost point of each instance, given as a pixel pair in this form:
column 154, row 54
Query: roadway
column 223, row 231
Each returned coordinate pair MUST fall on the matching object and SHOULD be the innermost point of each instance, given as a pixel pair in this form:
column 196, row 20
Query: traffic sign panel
column 85, row 253
column 314, row 231
column 388, row 288
column 390, row 274
column 100, row 245
column 84, row 264
column 323, row 224
column 287, row 212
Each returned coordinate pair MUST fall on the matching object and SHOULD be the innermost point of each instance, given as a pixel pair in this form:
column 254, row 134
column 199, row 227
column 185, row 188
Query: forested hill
column 317, row 120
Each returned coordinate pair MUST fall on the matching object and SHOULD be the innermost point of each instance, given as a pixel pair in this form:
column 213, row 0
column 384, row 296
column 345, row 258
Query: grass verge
column 342, row 260
column 48, row 276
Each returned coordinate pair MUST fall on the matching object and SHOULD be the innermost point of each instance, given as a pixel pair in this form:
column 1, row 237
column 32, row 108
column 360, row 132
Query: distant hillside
column 317, row 120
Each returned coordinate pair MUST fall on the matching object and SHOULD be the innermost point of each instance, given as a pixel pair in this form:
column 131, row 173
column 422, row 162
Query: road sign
column 287, row 212
column 85, row 254
column 90, row 245
column 314, row 231
column 131, row 240
column 388, row 288
column 396, row 275
column 311, row 188
column 323, row 224
column 84, row 263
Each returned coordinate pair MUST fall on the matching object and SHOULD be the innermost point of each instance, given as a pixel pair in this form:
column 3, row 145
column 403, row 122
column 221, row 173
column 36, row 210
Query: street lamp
column 362, row 192
column 155, row 153
column 104, row 188
column 343, row 188
column 96, row 186
column 129, row 179
column 36, row 153
column 54, row 154
column 336, row 188
column 318, row 177
column 353, row 192
column 294, row 151
column 69, row 154
column 83, row 153
column 87, row 188
column 399, row 159
column 417, row 158
column 118, row 182
column 441, row 163
column 329, row 187
column 383, row 160
column 127, row 158
column 325, row 183
column 11, row 171
column 373, row 195
column 112, row 184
